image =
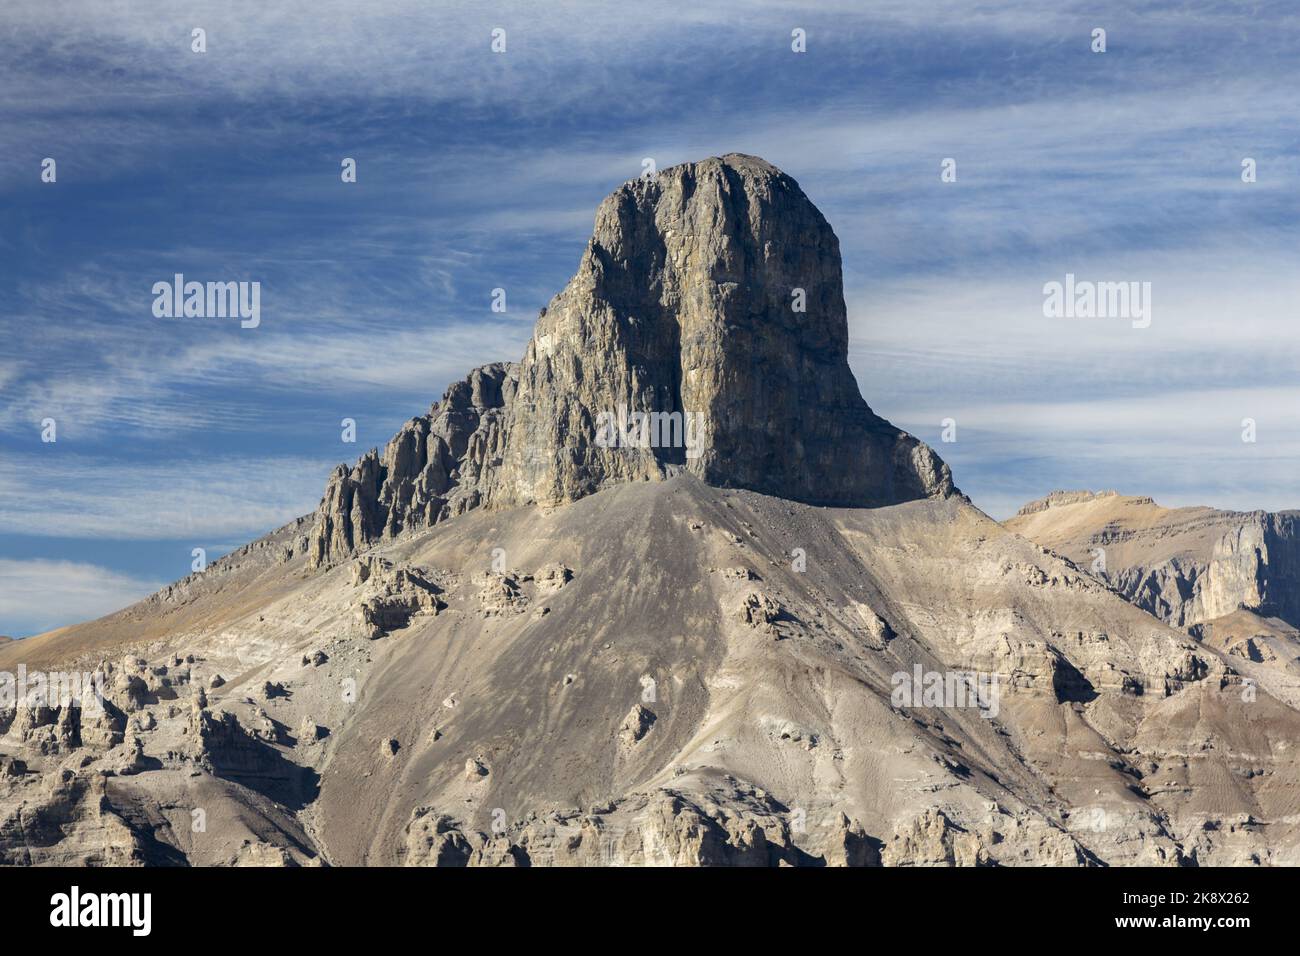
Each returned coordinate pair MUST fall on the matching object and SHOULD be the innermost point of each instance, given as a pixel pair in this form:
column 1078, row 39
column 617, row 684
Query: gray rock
column 636, row 725
column 683, row 304
column 682, row 309
column 429, row 471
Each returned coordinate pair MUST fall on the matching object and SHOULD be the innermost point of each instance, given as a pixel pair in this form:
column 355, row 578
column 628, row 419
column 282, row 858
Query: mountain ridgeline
column 1187, row 566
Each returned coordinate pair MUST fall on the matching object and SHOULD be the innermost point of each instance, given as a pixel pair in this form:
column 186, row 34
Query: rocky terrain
column 1229, row 579
column 503, row 642
column 1187, row 566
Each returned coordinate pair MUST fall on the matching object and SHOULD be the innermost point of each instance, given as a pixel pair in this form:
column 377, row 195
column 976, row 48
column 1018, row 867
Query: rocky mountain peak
column 704, row 331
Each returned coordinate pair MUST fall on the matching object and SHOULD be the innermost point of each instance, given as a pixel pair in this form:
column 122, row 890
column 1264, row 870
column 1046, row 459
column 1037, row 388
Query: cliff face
column 1255, row 564
column 713, row 291
column 704, row 331
column 437, row 466
column 1187, row 566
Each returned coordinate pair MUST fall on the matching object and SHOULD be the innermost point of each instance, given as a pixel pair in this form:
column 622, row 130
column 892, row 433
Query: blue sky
column 479, row 170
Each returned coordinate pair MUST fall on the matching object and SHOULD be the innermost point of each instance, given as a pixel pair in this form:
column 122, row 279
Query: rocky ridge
column 709, row 300
column 439, row 465
column 1187, row 566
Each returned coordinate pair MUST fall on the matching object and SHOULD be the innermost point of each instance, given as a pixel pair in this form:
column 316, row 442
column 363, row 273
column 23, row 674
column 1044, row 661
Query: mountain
column 1230, row 579
column 709, row 299
column 1187, row 566
column 539, row 629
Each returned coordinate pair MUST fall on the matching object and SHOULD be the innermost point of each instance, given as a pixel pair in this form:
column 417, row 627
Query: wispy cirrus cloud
column 480, row 170
column 1042, row 403
column 230, row 383
column 39, row 595
column 56, row 494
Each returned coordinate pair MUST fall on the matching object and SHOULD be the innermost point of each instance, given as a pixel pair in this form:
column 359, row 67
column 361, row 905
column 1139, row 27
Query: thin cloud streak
column 200, row 501
column 39, row 595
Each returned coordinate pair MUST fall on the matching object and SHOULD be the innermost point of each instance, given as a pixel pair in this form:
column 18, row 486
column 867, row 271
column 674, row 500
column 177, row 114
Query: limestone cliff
column 437, row 466
column 1187, row 566
column 705, row 330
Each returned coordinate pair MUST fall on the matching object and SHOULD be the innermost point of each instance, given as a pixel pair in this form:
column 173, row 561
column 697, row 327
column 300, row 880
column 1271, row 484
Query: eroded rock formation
column 705, row 331
column 437, row 466
column 1187, row 566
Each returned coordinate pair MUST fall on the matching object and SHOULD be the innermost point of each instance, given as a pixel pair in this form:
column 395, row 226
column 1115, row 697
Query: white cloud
column 37, row 595
column 54, row 494
column 1221, row 320
column 436, row 51
column 1042, row 403
column 155, row 392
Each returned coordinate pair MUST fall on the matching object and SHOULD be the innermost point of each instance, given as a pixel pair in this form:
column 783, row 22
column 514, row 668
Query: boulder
column 635, row 725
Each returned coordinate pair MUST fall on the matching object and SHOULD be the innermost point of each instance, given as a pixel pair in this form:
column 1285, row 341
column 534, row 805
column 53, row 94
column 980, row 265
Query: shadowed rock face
column 709, row 298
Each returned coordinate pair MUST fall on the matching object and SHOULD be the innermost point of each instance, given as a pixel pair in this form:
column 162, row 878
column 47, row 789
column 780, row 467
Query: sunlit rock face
column 705, row 331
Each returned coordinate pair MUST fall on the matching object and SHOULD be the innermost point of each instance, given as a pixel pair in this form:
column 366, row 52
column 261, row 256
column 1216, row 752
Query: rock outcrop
column 710, row 293
column 933, row 840
column 1187, row 566
column 437, row 466
column 705, row 331
column 392, row 595
column 728, row 825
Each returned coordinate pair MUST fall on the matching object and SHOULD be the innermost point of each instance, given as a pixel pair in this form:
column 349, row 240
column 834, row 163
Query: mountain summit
column 704, row 331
